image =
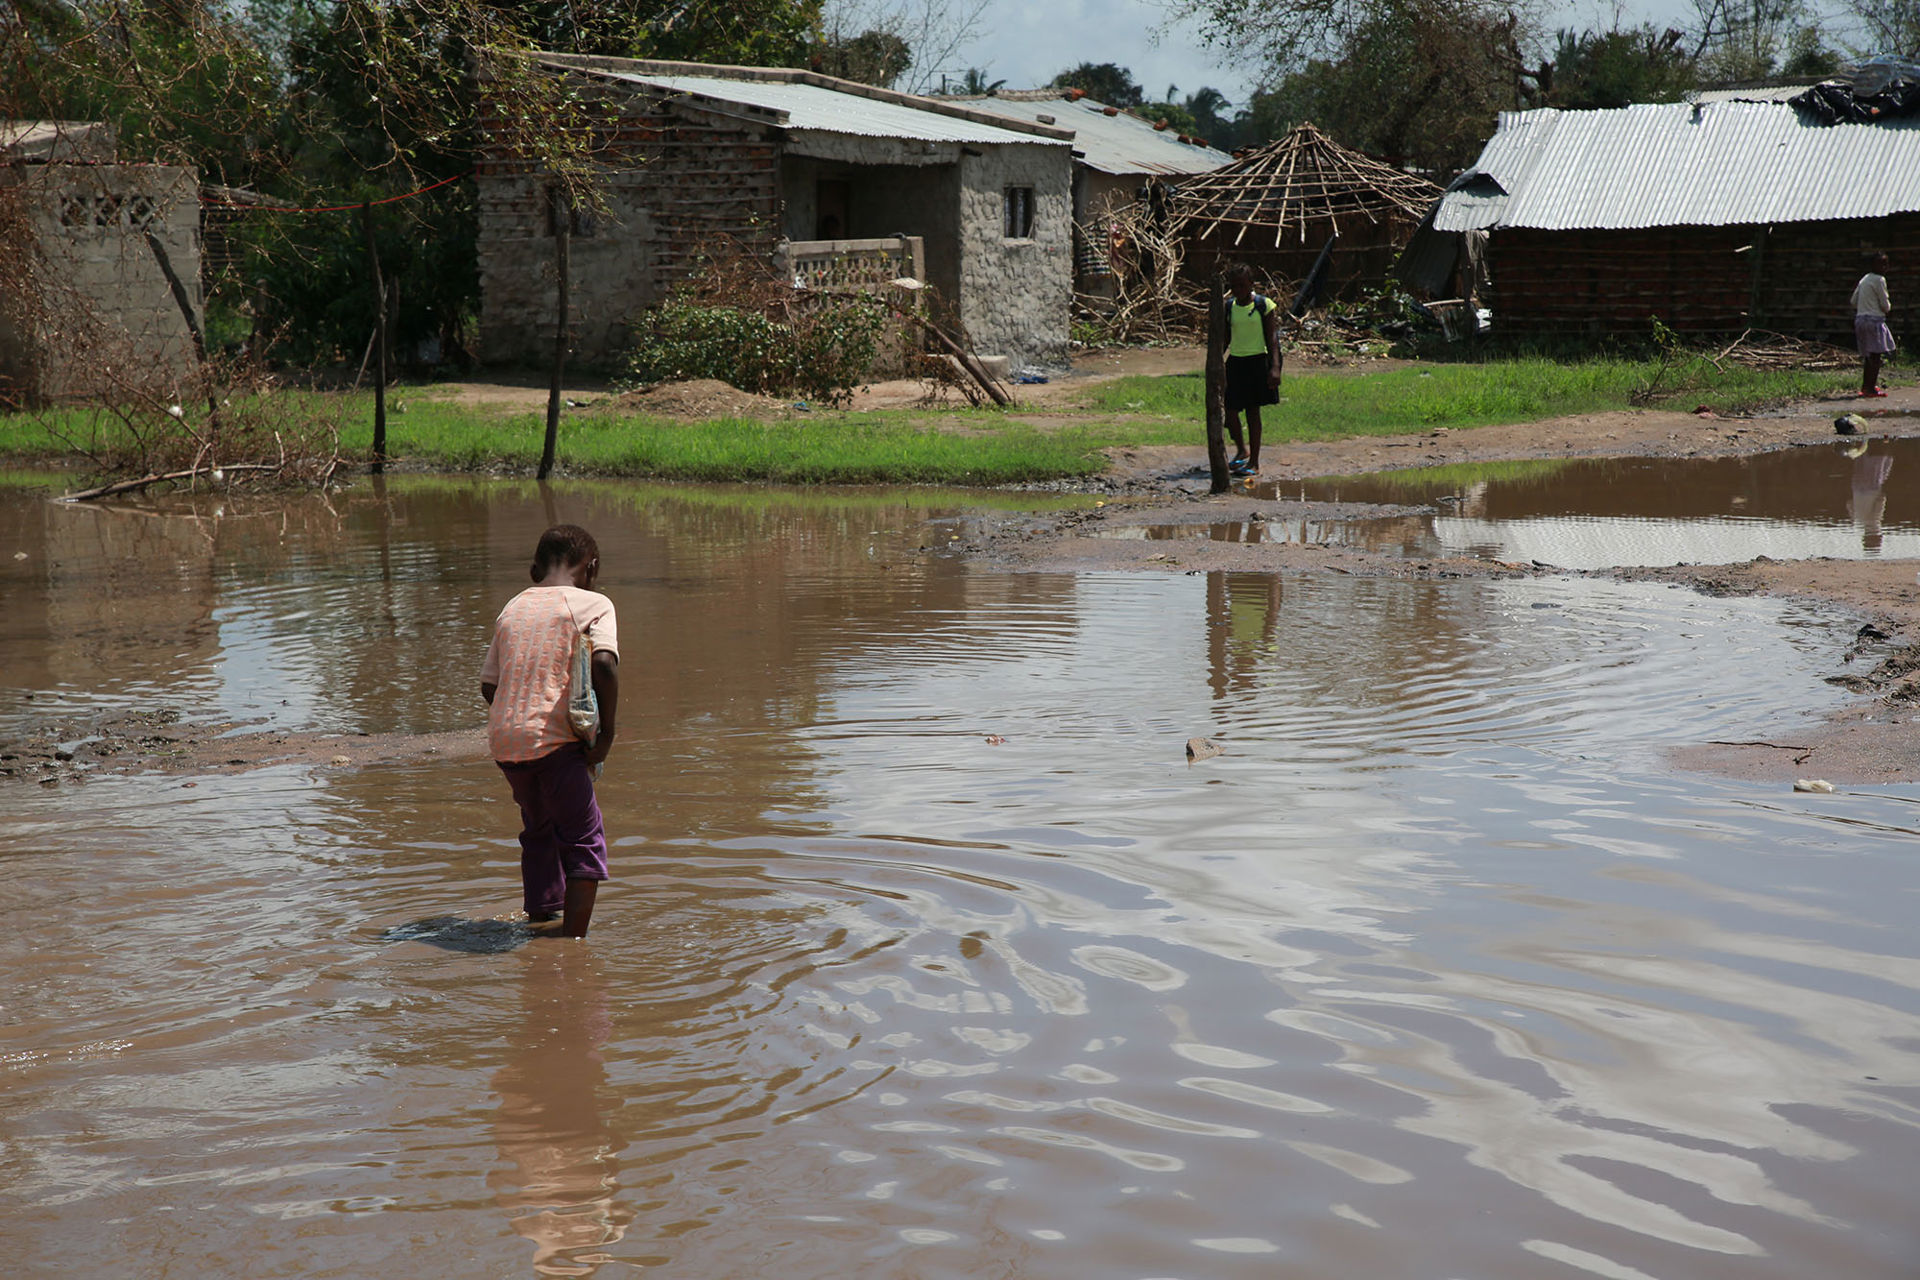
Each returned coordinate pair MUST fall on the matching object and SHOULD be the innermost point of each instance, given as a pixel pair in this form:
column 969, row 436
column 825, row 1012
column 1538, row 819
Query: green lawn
column 981, row 447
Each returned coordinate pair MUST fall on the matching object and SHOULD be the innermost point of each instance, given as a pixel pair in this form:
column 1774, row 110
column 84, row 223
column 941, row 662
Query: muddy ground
column 1875, row 741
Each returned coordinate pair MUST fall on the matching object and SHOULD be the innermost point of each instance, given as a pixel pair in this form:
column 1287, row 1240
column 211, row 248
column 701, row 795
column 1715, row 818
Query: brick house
column 806, row 168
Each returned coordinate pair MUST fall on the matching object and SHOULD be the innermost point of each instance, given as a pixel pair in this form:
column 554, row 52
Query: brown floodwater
column 928, row 954
column 1853, row 499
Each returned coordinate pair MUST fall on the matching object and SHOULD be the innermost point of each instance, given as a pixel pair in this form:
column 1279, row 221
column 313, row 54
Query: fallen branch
column 128, row 486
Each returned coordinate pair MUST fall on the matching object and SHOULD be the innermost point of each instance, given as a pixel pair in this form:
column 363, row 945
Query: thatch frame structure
column 1275, row 207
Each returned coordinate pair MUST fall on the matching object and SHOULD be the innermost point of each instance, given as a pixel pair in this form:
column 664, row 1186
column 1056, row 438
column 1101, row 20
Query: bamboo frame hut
column 1275, row 207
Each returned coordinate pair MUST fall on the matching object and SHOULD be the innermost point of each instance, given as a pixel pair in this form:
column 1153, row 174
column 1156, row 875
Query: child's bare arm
column 606, row 690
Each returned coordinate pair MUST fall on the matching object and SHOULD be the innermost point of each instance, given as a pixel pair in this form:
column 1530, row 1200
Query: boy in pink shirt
column 563, row 847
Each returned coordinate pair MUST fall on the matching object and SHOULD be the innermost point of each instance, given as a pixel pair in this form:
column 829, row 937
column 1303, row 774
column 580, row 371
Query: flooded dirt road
column 928, row 953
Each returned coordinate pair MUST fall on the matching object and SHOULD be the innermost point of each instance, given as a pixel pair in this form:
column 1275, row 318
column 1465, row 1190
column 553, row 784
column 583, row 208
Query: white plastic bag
column 583, row 708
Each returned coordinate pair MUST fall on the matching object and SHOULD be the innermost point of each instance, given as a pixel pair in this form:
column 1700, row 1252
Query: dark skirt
column 1247, row 383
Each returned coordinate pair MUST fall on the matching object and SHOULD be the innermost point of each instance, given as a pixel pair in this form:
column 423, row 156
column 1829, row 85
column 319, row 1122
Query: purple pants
column 561, row 837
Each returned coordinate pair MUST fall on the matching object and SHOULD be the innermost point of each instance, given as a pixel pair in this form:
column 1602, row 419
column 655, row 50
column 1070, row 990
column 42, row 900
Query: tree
column 1421, row 84
column 1886, row 26
column 1104, row 81
column 1739, row 40
column 1594, row 69
column 1172, row 114
column 872, row 57
column 975, row 83
column 932, row 31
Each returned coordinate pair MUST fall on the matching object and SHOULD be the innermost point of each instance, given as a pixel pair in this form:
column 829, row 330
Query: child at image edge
column 1870, row 310
column 563, row 848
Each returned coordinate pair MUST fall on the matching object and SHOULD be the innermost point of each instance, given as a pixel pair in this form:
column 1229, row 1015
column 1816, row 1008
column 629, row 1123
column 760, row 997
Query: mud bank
column 67, row 746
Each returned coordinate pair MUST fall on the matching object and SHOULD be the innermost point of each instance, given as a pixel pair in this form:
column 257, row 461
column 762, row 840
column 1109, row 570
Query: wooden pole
column 1217, row 383
column 562, row 216
column 183, row 300
column 379, row 343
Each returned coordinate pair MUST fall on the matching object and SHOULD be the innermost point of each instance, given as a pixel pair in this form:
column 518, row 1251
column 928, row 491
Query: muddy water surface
column 928, row 955
column 1854, row 499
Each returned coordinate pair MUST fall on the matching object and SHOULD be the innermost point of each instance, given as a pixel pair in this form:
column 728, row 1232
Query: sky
column 1028, row 43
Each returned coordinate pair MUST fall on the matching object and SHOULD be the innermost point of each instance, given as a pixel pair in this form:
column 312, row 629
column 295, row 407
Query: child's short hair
column 564, row 544
column 1240, row 271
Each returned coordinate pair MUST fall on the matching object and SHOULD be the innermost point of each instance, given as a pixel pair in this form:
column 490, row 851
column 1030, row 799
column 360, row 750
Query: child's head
column 1240, row 276
column 1879, row 261
column 567, row 546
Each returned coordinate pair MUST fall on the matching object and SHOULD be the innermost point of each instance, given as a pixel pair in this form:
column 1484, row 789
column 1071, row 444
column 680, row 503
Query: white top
column 1870, row 296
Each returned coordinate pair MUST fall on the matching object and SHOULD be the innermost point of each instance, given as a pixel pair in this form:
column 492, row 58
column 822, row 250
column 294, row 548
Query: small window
column 1019, row 220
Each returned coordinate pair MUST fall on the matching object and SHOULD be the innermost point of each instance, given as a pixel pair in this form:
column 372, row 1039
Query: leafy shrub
column 823, row 353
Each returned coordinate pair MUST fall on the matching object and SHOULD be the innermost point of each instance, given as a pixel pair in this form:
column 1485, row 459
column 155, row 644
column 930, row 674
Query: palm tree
column 975, row 84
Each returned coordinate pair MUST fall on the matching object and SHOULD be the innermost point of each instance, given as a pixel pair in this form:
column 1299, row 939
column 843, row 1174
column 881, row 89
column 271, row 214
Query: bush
column 823, row 354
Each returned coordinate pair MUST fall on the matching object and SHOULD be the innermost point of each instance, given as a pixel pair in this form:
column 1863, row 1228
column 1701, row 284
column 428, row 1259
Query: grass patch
column 829, row 448
column 1328, row 406
column 981, row 447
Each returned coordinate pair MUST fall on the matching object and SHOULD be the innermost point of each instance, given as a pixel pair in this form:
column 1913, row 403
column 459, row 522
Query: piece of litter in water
column 1818, row 785
column 341, row 760
column 995, row 740
column 1203, row 748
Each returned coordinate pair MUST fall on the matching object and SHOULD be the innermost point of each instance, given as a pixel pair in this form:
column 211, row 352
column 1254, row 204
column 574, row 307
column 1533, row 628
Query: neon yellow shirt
column 1246, row 326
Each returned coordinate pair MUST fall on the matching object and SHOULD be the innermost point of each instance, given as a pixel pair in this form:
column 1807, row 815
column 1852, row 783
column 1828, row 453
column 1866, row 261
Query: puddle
column 927, row 951
column 1842, row 500
column 1278, row 530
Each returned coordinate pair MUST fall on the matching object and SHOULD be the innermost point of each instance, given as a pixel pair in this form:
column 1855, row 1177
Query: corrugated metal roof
column 1111, row 144
column 1761, row 93
column 810, row 106
column 1678, row 164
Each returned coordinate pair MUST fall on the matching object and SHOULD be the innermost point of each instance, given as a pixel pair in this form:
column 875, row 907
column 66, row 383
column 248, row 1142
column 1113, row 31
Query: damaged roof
column 1110, row 143
column 1683, row 164
column 806, row 101
column 56, row 141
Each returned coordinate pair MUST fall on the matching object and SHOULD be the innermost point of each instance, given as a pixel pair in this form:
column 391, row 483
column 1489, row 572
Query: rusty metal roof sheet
column 815, row 107
column 1118, row 143
column 1683, row 164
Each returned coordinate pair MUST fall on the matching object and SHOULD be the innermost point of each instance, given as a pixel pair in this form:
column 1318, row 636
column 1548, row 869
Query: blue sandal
column 1238, row 467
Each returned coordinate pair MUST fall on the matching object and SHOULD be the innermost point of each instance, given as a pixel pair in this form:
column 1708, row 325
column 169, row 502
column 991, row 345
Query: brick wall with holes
column 85, row 308
column 674, row 180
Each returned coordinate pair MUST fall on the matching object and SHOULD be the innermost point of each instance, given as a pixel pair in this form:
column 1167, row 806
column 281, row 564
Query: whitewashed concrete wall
column 1015, row 293
column 95, row 314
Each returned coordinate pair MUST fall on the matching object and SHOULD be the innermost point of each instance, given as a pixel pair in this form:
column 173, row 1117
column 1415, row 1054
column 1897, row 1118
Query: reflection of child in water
column 563, row 847
column 1869, row 500
column 559, row 1177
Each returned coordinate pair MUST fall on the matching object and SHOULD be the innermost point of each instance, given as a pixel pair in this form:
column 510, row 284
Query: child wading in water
column 563, row 849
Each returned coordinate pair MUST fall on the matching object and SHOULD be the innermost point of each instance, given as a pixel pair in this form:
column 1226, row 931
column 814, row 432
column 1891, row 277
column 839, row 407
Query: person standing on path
column 1253, row 366
column 524, row 679
column 1870, row 310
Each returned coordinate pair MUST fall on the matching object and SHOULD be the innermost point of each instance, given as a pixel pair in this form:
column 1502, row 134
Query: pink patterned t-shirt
column 530, row 660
